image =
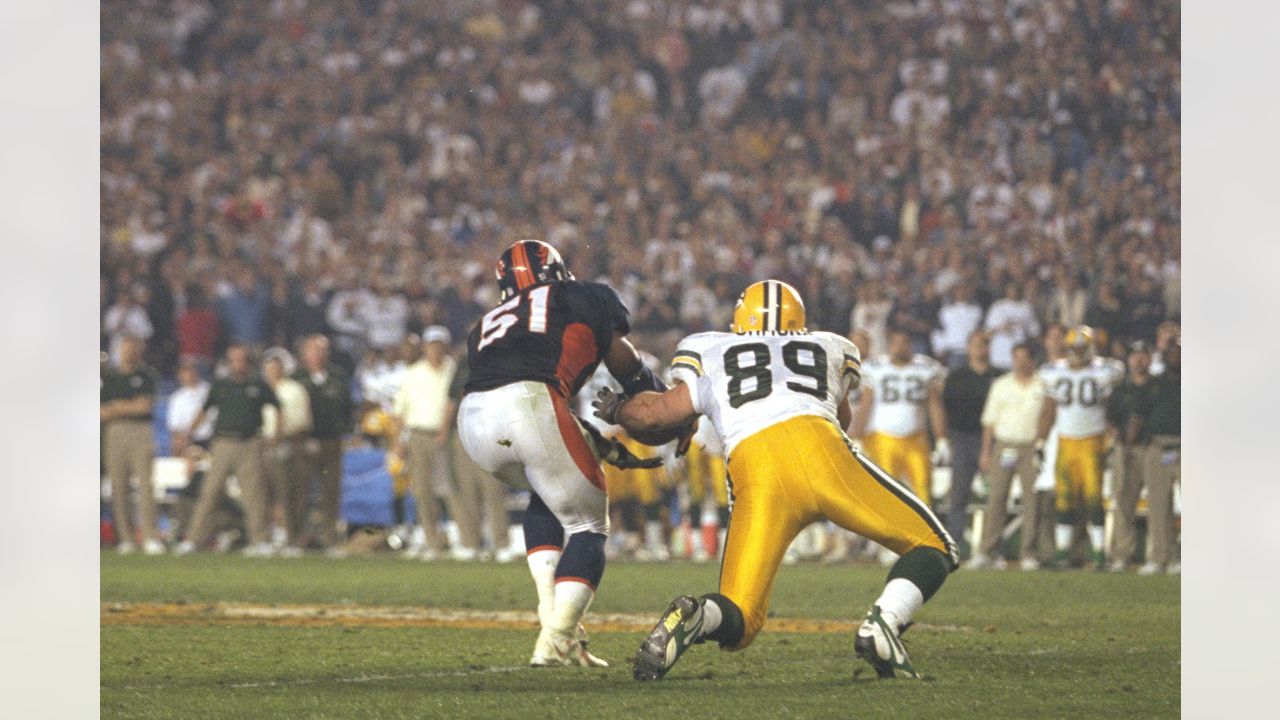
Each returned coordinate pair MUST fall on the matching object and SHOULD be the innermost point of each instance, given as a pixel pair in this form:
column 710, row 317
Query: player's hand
column 619, row 456
column 607, row 404
column 942, row 452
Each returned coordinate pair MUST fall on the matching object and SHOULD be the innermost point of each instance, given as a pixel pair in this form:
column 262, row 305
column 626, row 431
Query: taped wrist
column 640, row 381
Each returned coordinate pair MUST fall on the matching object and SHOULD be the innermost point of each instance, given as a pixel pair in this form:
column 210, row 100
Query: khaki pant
column 325, row 462
column 130, row 449
column 1129, row 462
column 1162, row 469
column 1009, row 459
column 243, row 458
column 482, row 494
column 286, row 468
column 430, row 481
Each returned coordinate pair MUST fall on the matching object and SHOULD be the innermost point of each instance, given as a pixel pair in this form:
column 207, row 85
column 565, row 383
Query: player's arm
column 858, row 423
column 844, row 412
column 937, row 411
column 1048, row 411
column 625, row 365
column 647, row 411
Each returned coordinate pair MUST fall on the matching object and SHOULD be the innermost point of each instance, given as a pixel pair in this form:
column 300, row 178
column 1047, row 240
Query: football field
column 224, row 636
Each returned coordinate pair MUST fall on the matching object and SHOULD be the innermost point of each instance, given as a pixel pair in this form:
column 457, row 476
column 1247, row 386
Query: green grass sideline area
column 992, row 645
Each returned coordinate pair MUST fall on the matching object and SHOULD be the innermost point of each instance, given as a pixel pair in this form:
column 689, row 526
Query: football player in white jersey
column 1077, row 390
column 901, row 391
column 777, row 395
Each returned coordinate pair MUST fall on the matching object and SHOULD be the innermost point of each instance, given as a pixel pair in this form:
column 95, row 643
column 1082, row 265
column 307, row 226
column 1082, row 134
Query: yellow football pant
column 903, row 457
column 794, row 473
column 706, row 473
column 641, row 484
column 1079, row 476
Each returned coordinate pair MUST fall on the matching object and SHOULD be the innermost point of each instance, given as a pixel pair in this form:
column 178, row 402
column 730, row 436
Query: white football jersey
column 1082, row 394
column 900, row 393
column 745, row 383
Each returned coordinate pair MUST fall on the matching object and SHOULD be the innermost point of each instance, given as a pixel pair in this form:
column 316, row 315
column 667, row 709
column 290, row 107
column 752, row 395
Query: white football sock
column 1062, row 536
column 653, row 535
column 899, row 601
column 542, row 566
column 712, row 615
column 572, row 598
column 1096, row 537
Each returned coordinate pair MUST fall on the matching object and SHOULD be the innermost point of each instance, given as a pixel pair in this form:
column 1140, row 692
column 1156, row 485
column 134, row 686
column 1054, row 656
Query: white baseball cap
column 437, row 333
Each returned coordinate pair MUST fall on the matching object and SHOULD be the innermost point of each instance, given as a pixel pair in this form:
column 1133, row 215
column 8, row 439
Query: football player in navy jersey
column 528, row 358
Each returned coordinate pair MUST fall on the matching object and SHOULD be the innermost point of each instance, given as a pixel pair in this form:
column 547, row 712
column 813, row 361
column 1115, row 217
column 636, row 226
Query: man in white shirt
column 285, row 465
column 1010, row 320
column 421, row 409
column 385, row 315
column 1009, row 423
column 958, row 320
column 185, row 404
column 127, row 319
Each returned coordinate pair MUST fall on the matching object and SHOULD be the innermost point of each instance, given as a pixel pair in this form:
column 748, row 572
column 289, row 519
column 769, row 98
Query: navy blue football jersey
column 555, row 333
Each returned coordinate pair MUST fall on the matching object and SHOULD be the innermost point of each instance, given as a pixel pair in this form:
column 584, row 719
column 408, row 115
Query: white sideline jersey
column 745, row 383
column 900, row 393
column 1081, row 394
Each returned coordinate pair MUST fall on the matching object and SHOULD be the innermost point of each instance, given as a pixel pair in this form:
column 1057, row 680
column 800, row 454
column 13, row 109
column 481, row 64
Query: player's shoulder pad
column 689, row 352
column 851, row 359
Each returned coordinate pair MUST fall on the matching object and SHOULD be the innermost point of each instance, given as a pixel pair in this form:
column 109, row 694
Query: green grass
column 1030, row 645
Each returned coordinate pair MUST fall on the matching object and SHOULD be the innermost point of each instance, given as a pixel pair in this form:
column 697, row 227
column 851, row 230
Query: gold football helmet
column 1080, row 343
column 768, row 306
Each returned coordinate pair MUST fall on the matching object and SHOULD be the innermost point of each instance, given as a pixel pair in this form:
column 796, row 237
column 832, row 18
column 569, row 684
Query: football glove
column 607, row 404
column 617, row 455
column 942, row 452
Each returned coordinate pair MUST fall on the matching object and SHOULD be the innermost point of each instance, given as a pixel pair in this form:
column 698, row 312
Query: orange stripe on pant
column 575, row 442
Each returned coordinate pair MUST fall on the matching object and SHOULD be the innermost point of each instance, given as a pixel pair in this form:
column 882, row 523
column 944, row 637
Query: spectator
column 127, row 397
column 237, row 449
column 329, row 389
column 384, row 314
column 344, row 316
column 1105, row 313
column 127, row 319
column 964, row 394
column 1070, row 301
column 1010, row 321
column 243, row 310
column 1009, row 420
column 871, row 314
column 1160, row 420
column 422, row 411
column 1129, row 454
column 198, row 332
column 1143, row 310
column 286, row 467
column 957, row 321
column 184, row 405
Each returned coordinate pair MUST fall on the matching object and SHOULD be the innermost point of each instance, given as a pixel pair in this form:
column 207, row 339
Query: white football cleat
column 558, row 649
column 1029, row 563
column 1149, row 569
column 153, row 547
column 259, row 550
column 186, row 547
column 126, row 548
column 879, row 644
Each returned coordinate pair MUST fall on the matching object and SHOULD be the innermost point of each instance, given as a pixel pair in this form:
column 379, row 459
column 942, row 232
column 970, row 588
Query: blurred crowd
column 271, row 170
column 276, row 173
